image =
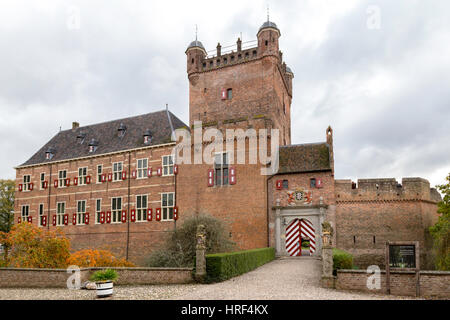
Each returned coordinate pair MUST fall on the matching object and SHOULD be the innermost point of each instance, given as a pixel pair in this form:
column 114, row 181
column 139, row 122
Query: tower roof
column 269, row 25
column 289, row 70
column 195, row 44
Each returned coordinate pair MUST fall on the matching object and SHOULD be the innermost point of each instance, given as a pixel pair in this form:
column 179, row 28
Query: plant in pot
column 104, row 280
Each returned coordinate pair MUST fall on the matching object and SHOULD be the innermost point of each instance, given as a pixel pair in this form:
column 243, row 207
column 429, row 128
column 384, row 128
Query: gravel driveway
column 282, row 279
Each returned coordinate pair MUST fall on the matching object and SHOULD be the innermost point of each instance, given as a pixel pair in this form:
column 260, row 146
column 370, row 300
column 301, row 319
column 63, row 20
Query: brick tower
column 245, row 87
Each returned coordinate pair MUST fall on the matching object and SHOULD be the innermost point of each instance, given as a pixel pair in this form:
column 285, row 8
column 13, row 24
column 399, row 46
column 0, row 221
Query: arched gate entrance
column 297, row 230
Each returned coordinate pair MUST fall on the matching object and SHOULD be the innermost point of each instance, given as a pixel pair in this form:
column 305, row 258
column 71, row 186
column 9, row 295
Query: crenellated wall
column 374, row 211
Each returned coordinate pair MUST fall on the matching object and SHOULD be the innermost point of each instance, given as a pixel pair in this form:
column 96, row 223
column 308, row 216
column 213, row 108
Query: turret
column 195, row 53
column 268, row 36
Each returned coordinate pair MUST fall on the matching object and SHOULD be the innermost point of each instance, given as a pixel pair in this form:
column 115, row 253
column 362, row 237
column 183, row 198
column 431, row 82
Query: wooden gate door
column 307, row 231
column 293, row 246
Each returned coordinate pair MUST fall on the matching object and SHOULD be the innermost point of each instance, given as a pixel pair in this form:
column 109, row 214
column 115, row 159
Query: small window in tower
column 254, row 53
column 285, row 184
column 192, row 61
column 312, row 183
column 230, row 94
column 267, row 43
column 354, row 239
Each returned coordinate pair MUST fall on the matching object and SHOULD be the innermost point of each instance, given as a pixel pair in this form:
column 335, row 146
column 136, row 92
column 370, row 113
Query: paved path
column 282, row 279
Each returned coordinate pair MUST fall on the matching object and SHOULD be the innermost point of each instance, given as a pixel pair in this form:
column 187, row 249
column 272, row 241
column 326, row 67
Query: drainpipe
column 48, row 199
column 128, row 204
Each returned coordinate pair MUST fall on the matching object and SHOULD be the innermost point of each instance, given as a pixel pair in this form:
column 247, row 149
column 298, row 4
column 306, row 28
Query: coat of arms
column 299, row 197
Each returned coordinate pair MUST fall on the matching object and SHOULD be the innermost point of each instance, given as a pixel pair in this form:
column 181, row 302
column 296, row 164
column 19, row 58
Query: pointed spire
column 196, row 32
column 268, row 13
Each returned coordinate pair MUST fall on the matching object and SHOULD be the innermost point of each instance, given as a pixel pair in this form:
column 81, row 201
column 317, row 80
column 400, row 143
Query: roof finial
column 196, row 32
column 268, row 13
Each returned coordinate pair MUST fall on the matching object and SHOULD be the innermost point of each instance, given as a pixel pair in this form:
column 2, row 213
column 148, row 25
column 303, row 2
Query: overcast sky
column 378, row 72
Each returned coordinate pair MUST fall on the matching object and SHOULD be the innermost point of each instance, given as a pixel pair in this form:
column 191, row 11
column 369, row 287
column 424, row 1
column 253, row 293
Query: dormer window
column 49, row 153
column 148, row 137
column 122, row 129
column 80, row 137
column 93, row 145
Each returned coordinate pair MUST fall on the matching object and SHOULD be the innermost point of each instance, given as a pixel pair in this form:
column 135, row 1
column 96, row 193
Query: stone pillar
column 278, row 230
column 328, row 280
column 200, row 261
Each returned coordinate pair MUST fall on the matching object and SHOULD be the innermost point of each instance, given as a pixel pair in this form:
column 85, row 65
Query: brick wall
column 367, row 217
column 57, row 278
column 433, row 284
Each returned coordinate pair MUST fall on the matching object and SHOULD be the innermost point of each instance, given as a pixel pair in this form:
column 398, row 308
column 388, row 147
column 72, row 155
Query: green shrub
column 341, row 260
column 104, row 275
column 180, row 248
column 223, row 266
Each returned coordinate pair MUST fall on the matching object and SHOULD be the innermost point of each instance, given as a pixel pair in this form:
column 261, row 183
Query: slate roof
column 67, row 147
column 304, row 158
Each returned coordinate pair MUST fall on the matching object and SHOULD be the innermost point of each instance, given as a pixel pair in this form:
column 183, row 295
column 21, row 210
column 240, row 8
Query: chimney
column 75, row 125
column 239, row 45
column 219, row 49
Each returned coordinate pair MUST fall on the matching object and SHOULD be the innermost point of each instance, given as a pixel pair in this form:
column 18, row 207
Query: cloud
column 385, row 91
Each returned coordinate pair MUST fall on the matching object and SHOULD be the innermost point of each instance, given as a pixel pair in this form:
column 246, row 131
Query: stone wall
column 57, row 278
column 433, row 284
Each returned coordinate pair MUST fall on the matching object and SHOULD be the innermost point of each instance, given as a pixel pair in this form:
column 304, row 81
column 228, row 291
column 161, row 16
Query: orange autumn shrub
column 32, row 247
column 96, row 258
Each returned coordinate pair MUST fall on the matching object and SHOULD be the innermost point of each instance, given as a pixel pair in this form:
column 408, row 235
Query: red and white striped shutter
column 31, row 186
column 75, row 181
column 232, row 175
column 319, row 183
column 108, row 216
column 279, row 184
column 149, row 172
column 86, row 218
column 20, row 187
column 210, row 178
column 74, row 219
column 55, row 183
column 19, row 220
column 54, row 220
column 110, row 177
column 124, row 175
column 30, row 219
column 175, row 169
column 158, row 214
column 45, row 184
column 223, row 94
column 175, row 213
column 104, row 177
column 88, row 179
column 66, row 219
column 44, row 221
column 133, row 215
column 134, row 174
column 124, row 216
column 102, row 217
column 159, row 171
column 149, row 214
column 67, row 182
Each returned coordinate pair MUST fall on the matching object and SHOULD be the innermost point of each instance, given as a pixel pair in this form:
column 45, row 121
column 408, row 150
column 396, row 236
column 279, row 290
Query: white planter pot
column 104, row 289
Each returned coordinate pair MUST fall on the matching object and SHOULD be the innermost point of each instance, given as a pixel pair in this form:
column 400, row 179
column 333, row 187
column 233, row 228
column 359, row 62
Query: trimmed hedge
column 341, row 260
column 223, row 266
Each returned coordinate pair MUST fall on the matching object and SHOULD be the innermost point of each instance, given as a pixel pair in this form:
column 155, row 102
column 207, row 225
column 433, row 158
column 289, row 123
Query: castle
column 117, row 186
